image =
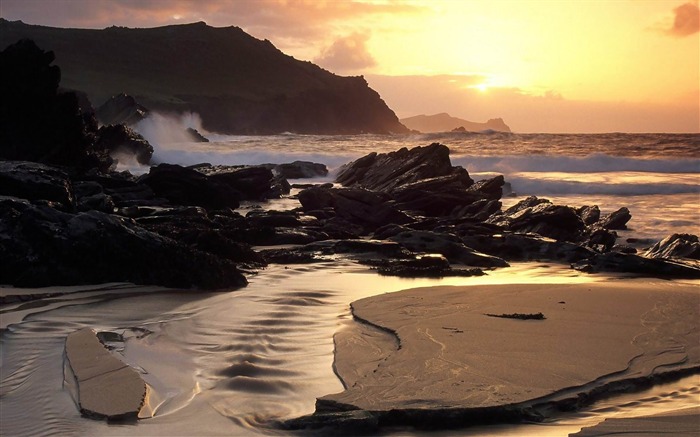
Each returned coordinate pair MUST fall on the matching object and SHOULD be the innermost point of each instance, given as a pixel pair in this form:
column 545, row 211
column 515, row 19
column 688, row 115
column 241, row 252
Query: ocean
column 232, row 363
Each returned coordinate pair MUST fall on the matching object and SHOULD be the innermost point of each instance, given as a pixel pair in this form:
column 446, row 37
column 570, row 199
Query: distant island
column 443, row 122
column 235, row 82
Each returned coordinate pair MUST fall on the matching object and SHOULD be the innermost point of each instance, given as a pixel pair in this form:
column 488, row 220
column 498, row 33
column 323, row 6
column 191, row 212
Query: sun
column 482, row 87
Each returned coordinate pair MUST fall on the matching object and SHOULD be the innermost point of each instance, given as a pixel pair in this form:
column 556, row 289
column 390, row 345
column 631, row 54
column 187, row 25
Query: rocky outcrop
column 299, row 170
column 121, row 109
column 535, row 216
column 443, row 122
column 36, row 182
column 676, row 246
column 119, row 140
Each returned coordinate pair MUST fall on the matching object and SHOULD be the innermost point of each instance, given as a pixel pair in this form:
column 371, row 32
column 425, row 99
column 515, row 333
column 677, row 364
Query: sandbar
column 437, row 349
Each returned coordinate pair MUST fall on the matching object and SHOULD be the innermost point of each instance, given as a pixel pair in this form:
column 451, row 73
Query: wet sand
column 436, row 349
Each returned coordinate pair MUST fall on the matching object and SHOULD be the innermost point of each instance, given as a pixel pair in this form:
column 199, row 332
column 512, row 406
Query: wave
column 593, row 163
column 535, row 186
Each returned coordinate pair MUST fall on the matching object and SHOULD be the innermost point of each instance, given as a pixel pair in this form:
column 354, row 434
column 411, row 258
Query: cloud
column 686, row 21
column 347, row 54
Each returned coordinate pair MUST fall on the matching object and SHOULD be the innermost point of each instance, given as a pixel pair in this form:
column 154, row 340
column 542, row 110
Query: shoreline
column 365, row 404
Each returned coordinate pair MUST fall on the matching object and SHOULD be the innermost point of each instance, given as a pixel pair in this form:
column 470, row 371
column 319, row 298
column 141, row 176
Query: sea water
column 233, row 363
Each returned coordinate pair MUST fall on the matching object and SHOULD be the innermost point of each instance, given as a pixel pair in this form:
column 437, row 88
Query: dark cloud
column 347, row 54
column 687, row 20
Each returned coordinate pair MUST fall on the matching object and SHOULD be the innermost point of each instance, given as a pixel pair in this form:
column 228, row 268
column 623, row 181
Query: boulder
column 41, row 246
column 675, row 246
column 366, row 208
column 34, row 181
column 196, row 136
column 119, row 140
column 616, row 220
column 253, row 183
column 301, row 170
column 589, row 214
column 184, row 186
column 121, row 109
column 544, row 218
column 387, row 171
column 422, row 266
column 631, row 263
column 527, row 247
column 447, row 245
column 490, row 189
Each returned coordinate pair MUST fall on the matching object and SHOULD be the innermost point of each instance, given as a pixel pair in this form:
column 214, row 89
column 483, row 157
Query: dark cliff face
column 237, row 83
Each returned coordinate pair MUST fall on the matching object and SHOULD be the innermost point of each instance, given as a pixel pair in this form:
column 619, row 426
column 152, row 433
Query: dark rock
column 363, row 207
column 121, row 109
column 42, row 246
column 301, row 170
column 196, row 136
column 630, row 263
column 288, row 219
column 520, row 316
column 38, row 123
column 527, row 247
column 253, row 183
column 616, row 220
column 479, row 210
column 422, row 266
column 601, row 239
column 544, row 218
column 448, row 245
column 387, row 171
column 491, row 189
column 528, row 202
column 118, row 140
column 34, row 181
column 676, row 246
column 589, row 214
column 184, row 186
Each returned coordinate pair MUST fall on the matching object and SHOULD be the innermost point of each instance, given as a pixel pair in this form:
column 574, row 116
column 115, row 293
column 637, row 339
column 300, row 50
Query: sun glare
column 482, row 87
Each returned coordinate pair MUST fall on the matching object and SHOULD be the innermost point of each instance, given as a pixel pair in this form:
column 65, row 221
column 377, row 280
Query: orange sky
column 543, row 66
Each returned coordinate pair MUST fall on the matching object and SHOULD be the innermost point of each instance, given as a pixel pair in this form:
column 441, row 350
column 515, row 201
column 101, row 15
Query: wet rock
column 184, row 186
column 631, row 263
column 107, row 388
column 34, row 181
column 616, row 220
column 527, row 247
column 121, row 109
column 589, row 214
column 542, row 218
column 601, row 239
column 448, row 245
column 422, row 266
column 288, row 219
column 387, row 171
column 196, row 136
column 42, row 246
column 675, row 246
column 491, row 189
column 119, row 140
column 300, row 170
column 253, row 182
column 366, row 208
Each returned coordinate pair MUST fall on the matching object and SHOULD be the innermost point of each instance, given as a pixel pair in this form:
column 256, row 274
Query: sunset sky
column 543, row 66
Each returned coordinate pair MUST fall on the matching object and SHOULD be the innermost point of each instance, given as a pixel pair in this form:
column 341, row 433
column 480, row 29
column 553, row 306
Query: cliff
column 445, row 123
column 238, row 84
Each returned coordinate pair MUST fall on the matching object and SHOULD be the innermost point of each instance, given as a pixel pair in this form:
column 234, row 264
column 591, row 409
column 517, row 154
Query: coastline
column 597, row 339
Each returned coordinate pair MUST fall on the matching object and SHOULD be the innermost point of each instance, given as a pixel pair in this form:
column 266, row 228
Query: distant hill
column 238, row 84
column 445, row 123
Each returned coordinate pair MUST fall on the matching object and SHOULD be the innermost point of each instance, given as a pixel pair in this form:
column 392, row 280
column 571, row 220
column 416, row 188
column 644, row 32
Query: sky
column 541, row 65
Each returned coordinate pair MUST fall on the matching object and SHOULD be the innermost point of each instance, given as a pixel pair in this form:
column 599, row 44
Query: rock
column 41, row 246
column 121, row 109
column 422, row 266
column 616, row 220
column 675, row 246
column 363, row 207
column 119, row 140
column 387, row 171
column 34, row 181
column 544, row 218
column 106, row 387
column 589, row 214
column 196, row 136
column 490, row 189
column 301, row 170
column 254, row 183
column 631, row 263
column 184, row 186
column 527, row 247
column 38, row 123
column 448, row 245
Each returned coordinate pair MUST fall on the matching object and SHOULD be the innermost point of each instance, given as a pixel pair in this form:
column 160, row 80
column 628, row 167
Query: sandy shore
column 433, row 349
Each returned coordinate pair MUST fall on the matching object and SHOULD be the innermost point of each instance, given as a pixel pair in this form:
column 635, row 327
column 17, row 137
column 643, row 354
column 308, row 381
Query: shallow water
column 226, row 363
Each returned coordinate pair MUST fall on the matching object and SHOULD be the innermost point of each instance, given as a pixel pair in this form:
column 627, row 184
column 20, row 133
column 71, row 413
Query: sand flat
column 451, row 354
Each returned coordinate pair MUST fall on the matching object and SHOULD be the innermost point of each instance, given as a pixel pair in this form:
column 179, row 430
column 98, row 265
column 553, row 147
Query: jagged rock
column 34, row 181
column 601, row 239
column 300, row 170
column 675, row 246
column 616, row 220
column 41, row 246
column 422, row 266
column 363, row 207
column 387, row 171
column 252, row 182
column 541, row 217
column 119, row 140
column 448, row 245
column 288, row 219
column 527, row 247
column 38, row 123
column 121, row 109
column 589, row 214
column 491, row 189
column 196, row 136
column 479, row 210
column 631, row 263
column 184, row 186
